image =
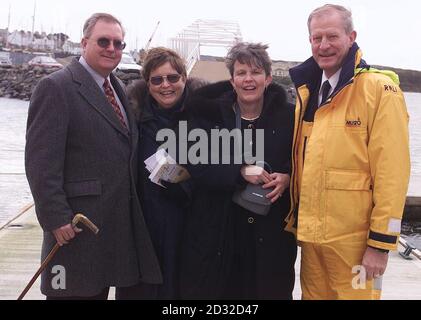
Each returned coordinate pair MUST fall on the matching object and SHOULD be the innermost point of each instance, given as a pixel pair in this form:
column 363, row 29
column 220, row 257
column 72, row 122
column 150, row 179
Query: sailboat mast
column 8, row 17
column 8, row 27
column 33, row 23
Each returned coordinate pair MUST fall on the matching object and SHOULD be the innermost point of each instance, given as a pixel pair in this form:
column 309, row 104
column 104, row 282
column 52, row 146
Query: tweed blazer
column 79, row 158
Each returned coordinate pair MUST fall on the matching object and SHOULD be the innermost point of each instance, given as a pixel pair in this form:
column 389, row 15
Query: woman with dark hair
column 158, row 100
column 229, row 251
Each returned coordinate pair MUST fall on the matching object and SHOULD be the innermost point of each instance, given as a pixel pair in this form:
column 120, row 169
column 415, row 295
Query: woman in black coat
column 228, row 251
column 158, row 101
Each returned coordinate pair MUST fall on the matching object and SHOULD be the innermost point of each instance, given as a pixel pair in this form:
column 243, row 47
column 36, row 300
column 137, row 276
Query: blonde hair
column 324, row 10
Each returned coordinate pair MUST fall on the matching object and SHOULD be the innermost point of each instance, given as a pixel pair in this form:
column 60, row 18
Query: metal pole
column 8, row 26
column 33, row 25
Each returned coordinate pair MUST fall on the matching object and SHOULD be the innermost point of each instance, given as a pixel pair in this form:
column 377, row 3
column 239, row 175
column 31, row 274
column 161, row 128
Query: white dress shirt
column 333, row 81
column 100, row 82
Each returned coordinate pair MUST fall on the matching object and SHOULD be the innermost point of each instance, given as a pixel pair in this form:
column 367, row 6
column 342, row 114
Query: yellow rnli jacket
column 351, row 162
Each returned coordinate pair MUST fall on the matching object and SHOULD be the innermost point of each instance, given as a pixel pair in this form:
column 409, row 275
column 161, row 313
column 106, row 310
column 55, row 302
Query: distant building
column 19, row 39
column 280, row 72
column 41, row 42
column 53, row 42
column 72, row 47
column 281, row 68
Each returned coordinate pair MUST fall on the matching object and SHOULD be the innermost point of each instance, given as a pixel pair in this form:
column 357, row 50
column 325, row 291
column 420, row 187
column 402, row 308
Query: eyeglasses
column 171, row 78
column 105, row 42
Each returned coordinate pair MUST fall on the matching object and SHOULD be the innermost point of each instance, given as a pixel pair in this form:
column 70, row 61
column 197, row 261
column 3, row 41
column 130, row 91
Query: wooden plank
column 20, row 251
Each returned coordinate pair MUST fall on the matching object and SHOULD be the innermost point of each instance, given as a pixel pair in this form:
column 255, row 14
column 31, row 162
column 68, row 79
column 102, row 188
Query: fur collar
column 210, row 101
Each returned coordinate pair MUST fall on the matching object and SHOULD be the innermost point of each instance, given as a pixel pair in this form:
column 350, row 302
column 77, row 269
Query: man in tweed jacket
column 81, row 156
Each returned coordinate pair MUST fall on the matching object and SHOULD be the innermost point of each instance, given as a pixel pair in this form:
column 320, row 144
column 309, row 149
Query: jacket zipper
column 295, row 196
column 304, row 149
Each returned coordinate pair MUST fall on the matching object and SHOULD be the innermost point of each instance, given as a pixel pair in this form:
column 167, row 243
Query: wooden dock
column 20, row 250
column 20, row 246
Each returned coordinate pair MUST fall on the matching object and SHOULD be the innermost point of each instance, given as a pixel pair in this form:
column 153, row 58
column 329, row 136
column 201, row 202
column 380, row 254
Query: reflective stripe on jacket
column 356, row 154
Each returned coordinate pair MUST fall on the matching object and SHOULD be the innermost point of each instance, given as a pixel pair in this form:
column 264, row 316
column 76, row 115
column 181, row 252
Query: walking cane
column 76, row 219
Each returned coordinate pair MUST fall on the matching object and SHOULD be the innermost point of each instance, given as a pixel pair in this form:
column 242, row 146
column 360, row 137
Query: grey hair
column 92, row 20
column 345, row 13
column 250, row 53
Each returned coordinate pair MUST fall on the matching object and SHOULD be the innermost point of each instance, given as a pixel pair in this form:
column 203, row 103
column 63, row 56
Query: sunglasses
column 171, row 78
column 105, row 43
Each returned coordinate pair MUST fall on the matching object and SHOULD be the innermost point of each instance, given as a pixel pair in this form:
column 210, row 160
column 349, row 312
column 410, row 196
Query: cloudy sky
column 388, row 30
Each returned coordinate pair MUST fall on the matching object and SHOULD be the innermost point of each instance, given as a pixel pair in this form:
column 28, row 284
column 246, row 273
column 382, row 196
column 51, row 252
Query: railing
column 202, row 34
column 409, row 249
column 189, row 50
column 193, row 58
column 21, row 212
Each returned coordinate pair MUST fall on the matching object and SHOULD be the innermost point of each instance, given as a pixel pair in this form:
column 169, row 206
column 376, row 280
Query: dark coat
column 219, row 235
column 164, row 209
column 79, row 158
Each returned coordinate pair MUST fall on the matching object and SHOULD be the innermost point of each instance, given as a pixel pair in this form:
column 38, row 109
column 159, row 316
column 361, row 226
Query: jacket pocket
column 83, row 188
column 344, row 180
column 348, row 201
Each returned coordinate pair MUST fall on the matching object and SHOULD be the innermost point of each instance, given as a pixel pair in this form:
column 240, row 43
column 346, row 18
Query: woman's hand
column 255, row 174
column 278, row 181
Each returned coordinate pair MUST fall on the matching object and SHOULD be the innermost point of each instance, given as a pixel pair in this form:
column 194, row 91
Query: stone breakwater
column 18, row 82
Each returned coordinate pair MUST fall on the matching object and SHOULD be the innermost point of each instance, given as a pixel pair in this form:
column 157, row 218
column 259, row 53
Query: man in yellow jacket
column 350, row 163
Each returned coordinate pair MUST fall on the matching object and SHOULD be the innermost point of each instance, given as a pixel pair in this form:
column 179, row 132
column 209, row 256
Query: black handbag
column 253, row 196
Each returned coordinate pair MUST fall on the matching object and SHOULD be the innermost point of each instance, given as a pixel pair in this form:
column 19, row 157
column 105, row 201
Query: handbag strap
column 237, row 116
column 237, row 111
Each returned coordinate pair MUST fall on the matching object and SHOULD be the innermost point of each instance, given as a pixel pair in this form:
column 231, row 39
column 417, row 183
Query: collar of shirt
column 100, row 81
column 97, row 77
column 333, row 81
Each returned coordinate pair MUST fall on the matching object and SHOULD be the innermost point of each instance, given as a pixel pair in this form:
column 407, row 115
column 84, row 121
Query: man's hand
column 279, row 182
column 255, row 174
column 374, row 262
column 65, row 233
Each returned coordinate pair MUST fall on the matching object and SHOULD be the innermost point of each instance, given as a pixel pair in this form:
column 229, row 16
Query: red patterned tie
column 111, row 98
